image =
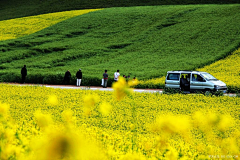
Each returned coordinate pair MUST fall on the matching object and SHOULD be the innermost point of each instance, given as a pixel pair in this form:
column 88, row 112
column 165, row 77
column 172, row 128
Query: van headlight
column 216, row 86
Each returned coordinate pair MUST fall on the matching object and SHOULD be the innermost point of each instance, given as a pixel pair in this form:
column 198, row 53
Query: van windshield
column 209, row 77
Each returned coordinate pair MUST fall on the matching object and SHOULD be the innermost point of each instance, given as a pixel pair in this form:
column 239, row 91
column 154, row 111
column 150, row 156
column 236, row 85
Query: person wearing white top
column 116, row 75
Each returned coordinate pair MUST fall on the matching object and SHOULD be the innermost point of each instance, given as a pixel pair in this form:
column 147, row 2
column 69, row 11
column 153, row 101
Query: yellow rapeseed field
column 15, row 28
column 152, row 83
column 43, row 123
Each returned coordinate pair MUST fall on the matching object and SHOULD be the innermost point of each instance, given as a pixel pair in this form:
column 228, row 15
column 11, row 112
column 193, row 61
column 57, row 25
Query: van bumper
column 220, row 88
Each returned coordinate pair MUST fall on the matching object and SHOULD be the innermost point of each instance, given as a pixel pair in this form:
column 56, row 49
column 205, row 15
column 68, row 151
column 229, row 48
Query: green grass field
column 145, row 42
column 14, row 9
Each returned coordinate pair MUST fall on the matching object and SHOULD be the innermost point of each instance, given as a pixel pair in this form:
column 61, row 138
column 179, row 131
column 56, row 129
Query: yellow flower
column 52, row 100
column 90, row 100
column 121, row 88
column 9, row 151
column 105, row 108
column 172, row 124
column 225, row 122
column 132, row 126
column 60, row 145
column 132, row 156
column 43, row 120
column 205, row 124
column 172, row 154
column 9, row 135
column 212, row 119
column 229, row 145
column 68, row 116
column 3, row 109
column 162, row 142
column 133, row 82
column 87, row 111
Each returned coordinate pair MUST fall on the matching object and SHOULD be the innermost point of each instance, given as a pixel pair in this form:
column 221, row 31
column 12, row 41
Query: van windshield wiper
column 212, row 79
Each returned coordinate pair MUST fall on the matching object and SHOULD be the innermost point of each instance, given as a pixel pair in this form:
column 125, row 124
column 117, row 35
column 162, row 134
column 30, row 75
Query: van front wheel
column 208, row 92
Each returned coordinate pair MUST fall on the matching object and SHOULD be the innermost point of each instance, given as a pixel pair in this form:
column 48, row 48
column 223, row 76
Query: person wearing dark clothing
column 182, row 83
column 105, row 78
column 67, row 77
column 125, row 77
column 79, row 77
column 24, row 73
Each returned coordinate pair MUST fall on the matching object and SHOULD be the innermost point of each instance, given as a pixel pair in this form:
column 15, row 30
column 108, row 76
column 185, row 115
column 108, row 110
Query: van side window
column 197, row 78
column 173, row 76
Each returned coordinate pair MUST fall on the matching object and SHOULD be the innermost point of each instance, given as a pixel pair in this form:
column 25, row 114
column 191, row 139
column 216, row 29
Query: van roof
column 183, row 71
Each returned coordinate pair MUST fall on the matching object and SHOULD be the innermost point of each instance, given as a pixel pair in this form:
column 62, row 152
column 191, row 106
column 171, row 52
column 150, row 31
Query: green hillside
column 145, row 42
column 13, row 9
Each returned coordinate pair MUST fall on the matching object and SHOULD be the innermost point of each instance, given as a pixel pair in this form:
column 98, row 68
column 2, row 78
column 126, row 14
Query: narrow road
column 85, row 87
column 99, row 88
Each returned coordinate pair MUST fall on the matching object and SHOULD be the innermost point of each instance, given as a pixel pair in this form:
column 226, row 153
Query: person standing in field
column 79, row 77
column 67, row 77
column 116, row 76
column 24, row 73
column 105, row 78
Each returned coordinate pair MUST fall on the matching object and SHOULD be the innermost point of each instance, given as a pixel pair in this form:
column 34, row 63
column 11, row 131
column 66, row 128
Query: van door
column 185, row 81
column 196, row 82
column 172, row 80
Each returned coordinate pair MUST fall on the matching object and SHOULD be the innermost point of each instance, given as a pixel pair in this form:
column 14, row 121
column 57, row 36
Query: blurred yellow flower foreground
column 39, row 123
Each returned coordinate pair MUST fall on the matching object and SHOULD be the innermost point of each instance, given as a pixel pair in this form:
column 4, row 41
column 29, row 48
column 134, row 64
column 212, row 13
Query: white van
column 193, row 81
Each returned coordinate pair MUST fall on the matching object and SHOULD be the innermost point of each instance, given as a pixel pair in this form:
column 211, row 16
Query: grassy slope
column 14, row 9
column 143, row 41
